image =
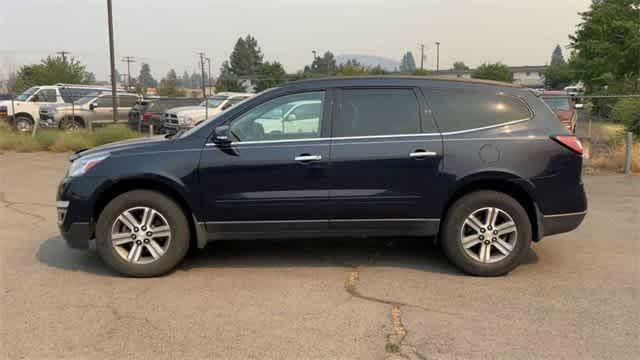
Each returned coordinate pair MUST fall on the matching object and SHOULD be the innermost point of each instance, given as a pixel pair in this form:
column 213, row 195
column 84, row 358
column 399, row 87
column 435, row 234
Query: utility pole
column 128, row 60
column 63, row 53
column 204, row 89
column 437, row 56
column 421, row 56
column 113, row 63
column 209, row 75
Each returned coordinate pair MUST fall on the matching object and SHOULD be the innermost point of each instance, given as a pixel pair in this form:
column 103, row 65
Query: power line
column 128, row 60
column 63, row 53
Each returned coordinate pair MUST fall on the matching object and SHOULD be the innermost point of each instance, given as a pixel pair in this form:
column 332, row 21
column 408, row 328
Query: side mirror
column 92, row 106
column 291, row 117
column 221, row 135
column 578, row 106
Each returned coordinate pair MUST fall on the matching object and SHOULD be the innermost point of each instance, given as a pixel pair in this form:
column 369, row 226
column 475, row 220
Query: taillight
column 570, row 142
column 147, row 116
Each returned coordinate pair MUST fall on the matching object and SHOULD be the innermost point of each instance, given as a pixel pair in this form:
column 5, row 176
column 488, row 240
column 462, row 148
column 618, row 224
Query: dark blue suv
column 484, row 167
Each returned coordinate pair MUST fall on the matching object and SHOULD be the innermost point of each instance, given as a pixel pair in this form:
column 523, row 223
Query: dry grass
column 51, row 140
column 613, row 160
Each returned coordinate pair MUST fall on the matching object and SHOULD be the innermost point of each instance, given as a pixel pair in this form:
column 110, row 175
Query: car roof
column 399, row 79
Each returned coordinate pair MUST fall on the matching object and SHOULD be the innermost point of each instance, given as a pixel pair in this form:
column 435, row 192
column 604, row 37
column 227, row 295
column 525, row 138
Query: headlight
column 185, row 119
column 84, row 164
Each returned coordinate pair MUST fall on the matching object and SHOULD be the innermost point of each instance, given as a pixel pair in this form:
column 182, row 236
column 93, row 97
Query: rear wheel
column 23, row 124
column 71, row 124
column 486, row 233
column 142, row 234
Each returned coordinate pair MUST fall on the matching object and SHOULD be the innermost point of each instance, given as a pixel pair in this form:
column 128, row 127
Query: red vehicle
column 564, row 106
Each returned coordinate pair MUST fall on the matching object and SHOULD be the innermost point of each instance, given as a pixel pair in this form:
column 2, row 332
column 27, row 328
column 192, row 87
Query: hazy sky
column 168, row 34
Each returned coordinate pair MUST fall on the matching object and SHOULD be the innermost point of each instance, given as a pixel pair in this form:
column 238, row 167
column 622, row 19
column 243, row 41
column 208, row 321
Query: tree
column 145, row 79
column 195, row 81
column 496, row 72
column 557, row 76
column 228, row 80
column 323, row 65
column 556, row 56
column 460, row 66
column 185, row 80
column 246, row 57
column 607, row 44
column 270, row 75
column 408, row 63
column 50, row 71
column 90, row 78
column 169, row 85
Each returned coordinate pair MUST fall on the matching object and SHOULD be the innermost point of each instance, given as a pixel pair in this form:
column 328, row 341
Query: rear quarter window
column 459, row 110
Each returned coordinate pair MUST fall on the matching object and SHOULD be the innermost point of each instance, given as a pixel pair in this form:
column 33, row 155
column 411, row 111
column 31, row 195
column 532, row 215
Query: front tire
column 486, row 233
column 142, row 234
column 23, row 124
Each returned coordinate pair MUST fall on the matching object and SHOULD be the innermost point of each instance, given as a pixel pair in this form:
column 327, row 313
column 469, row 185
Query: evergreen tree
column 408, row 63
column 145, row 79
column 246, row 57
column 556, row 56
column 270, row 75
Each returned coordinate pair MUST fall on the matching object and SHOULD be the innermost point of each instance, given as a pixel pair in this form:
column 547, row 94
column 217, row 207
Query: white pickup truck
column 22, row 112
column 187, row 116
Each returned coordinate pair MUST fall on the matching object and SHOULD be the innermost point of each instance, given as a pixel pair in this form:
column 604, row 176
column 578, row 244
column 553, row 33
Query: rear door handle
column 308, row 158
column 419, row 154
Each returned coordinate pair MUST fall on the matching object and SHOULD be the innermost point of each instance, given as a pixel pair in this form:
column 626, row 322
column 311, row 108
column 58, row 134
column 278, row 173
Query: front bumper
column 75, row 201
column 76, row 234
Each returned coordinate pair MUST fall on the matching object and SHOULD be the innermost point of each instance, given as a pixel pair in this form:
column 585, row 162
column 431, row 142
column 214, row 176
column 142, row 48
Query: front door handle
column 420, row 154
column 308, row 158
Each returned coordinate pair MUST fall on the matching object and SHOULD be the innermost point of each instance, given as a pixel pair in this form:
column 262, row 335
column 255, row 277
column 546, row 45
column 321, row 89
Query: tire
column 71, row 124
column 465, row 250
column 23, row 124
column 114, row 253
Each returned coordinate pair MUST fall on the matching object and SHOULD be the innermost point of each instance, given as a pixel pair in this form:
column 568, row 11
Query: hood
column 185, row 109
column 125, row 145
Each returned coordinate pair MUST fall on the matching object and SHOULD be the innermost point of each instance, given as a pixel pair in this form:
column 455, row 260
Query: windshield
column 214, row 102
column 558, row 103
column 27, row 94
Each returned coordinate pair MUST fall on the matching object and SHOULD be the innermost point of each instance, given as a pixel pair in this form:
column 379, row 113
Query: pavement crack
column 396, row 346
column 11, row 206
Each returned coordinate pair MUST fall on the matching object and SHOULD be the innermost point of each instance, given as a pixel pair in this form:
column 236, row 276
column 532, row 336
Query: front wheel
column 486, row 233
column 23, row 124
column 142, row 234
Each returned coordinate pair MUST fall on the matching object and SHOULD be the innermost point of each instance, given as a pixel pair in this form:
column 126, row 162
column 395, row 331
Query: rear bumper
column 561, row 223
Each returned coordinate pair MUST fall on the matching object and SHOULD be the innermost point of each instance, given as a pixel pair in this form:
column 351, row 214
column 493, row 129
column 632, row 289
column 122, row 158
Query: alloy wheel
column 141, row 235
column 488, row 235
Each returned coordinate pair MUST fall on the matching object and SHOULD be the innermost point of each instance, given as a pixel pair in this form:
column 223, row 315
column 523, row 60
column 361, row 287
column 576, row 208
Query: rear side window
column 372, row 112
column 458, row 110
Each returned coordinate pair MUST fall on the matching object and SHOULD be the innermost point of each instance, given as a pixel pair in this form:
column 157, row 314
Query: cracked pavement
column 577, row 295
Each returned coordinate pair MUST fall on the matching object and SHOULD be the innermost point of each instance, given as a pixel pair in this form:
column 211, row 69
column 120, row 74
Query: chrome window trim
column 236, row 143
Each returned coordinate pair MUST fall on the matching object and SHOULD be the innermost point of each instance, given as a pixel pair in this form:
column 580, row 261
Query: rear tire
column 142, row 234
column 71, row 124
column 486, row 233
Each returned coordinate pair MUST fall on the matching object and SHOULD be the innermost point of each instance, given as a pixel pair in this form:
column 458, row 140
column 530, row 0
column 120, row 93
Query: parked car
column 22, row 112
column 564, row 106
column 151, row 111
column 484, row 167
column 187, row 117
column 92, row 110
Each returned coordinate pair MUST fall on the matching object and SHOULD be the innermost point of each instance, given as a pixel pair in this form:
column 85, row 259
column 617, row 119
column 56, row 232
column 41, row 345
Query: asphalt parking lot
column 577, row 296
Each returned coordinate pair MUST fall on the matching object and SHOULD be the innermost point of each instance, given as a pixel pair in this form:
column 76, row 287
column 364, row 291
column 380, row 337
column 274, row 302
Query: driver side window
column 289, row 117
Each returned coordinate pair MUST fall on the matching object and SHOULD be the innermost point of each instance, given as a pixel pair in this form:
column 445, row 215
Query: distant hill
column 370, row 61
